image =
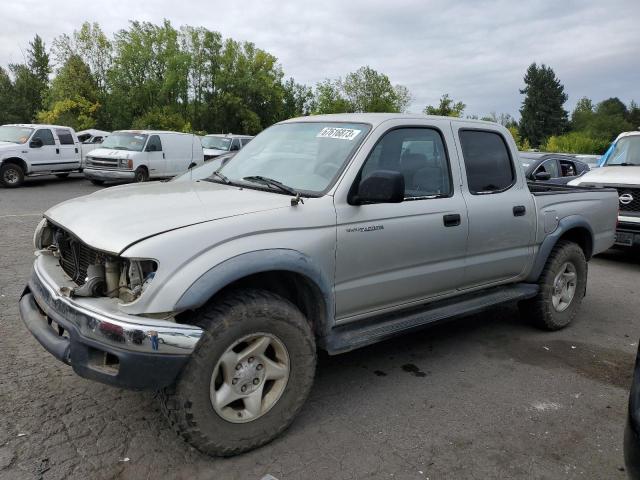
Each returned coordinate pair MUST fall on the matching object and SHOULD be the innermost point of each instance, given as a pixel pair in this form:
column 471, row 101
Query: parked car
column 89, row 141
column 620, row 169
column 552, row 167
column 328, row 231
column 204, row 171
column 28, row 150
column 632, row 430
column 592, row 160
column 219, row 144
column 140, row 155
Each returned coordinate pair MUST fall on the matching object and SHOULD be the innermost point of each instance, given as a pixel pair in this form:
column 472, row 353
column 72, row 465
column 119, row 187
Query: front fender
column 243, row 265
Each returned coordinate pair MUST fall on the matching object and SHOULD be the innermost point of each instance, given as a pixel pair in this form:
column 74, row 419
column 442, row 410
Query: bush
column 162, row 118
column 576, row 142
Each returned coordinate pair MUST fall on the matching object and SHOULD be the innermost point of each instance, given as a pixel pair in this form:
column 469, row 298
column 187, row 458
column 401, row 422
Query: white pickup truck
column 621, row 170
column 31, row 149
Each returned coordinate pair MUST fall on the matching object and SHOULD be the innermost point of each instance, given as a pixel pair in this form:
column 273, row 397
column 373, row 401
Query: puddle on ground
column 605, row 365
column 411, row 368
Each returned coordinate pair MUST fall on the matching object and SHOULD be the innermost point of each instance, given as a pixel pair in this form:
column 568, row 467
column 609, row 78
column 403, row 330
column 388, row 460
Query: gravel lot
column 482, row 397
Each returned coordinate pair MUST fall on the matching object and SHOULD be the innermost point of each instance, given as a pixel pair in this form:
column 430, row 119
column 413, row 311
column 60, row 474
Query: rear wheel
column 141, row 175
column 249, row 376
column 11, row 175
column 97, row 182
column 562, row 286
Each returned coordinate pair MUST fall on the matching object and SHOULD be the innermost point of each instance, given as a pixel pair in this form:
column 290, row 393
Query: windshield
column 626, row 151
column 125, row 141
column 304, row 156
column 15, row 134
column 217, row 143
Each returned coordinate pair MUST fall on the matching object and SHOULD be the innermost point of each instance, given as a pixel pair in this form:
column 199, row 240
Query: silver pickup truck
column 330, row 232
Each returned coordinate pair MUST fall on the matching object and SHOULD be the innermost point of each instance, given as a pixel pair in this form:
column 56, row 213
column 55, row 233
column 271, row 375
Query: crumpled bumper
column 145, row 354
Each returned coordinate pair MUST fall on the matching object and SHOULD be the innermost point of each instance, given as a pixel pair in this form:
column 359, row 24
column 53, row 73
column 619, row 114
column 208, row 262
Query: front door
column 156, row 161
column 44, row 154
column 392, row 255
column 500, row 207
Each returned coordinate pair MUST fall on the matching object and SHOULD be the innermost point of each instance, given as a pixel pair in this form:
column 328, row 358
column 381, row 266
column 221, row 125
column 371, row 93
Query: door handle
column 519, row 211
column 58, row 151
column 451, row 220
column 163, row 155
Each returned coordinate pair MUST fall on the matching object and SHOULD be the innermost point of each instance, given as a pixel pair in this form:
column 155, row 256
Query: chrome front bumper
column 100, row 174
column 85, row 333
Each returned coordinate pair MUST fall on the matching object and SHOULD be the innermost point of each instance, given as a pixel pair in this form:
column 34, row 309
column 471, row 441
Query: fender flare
column 21, row 161
column 564, row 225
column 259, row 261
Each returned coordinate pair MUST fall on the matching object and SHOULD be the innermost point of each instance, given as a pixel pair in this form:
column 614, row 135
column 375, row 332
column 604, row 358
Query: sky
column 477, row 51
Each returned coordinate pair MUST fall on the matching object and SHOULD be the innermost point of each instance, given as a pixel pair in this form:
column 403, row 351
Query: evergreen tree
column 542, row 113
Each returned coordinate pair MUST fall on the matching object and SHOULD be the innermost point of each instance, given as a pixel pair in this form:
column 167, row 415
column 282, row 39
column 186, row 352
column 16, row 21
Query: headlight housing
column 43, row 236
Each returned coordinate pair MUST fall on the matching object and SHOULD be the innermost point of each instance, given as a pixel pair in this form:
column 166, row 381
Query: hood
column 114, row 218
column 7, row 145
column 111, row 153
column 605, row 176
column 213, row 152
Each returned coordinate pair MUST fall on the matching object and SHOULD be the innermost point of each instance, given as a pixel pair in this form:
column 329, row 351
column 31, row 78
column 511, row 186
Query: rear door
column 500, row 207
column 46, row 157
column 390, row 255
column 69, row 151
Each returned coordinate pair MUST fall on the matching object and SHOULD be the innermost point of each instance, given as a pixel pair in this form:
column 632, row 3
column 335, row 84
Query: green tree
column 370, row 91
column 447, row 107
column 7, row 99
column 576, row 142
column 634, row 115
column 74, row 96
column 329, row 98
column 582, row 114
column 297, row 99
column 31, row 81
column 542, row 113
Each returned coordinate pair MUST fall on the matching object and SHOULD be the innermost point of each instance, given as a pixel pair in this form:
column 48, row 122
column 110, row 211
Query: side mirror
column 234, row 147
column 381, row 186
column 543, row 176
column 36, row 143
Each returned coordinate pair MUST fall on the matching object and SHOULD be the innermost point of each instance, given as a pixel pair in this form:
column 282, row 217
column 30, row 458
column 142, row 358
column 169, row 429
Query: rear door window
column 64, row 136
column 568, row 168
column 487, row 161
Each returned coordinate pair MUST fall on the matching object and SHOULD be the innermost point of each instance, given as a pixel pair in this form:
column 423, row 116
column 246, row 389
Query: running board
column 366, row 332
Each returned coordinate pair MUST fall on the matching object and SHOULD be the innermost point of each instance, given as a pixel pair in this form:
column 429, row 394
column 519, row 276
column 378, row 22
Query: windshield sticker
column 526, row 164
column 139, row 137
column 340, row 133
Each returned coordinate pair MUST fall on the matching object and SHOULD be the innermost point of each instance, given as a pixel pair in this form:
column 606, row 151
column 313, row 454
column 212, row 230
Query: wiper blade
column 626, row 164
column 270, row 181
column 222, row 177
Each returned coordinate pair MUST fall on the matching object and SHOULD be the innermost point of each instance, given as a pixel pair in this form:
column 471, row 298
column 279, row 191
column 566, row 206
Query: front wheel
column 11, row 175
column 562, row 286
column 141, row 175
column 249, row 376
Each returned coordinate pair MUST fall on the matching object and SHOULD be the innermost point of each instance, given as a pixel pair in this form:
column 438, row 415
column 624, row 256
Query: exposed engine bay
column 96, row 273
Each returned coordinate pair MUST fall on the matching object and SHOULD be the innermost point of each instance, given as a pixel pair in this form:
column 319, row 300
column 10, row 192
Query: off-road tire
column 141, row 175
column 13, row 171
column 187, row 404
column 540, row 310
column 98, row 182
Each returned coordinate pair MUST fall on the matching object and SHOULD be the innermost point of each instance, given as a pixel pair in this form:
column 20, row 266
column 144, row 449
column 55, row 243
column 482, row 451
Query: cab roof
column 36, row 125
column 376, row 119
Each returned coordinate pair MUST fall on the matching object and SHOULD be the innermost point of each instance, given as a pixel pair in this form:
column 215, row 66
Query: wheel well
column 16, row 161
column 296, row 288
column 582, row 237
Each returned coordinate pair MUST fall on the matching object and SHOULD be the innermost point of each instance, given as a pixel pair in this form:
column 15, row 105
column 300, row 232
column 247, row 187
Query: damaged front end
column 96, row 273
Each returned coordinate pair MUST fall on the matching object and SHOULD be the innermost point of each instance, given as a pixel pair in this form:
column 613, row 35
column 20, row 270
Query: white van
column 31, row 149
column 138, row 155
